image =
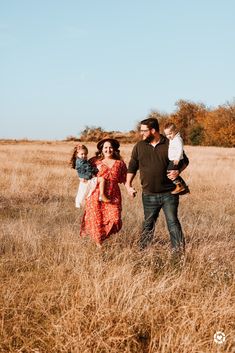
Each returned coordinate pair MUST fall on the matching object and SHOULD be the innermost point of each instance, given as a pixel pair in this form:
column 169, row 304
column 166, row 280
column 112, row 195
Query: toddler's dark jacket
column 85, row 169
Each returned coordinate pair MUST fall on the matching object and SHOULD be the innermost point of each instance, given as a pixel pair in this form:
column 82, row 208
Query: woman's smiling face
column 107, row 150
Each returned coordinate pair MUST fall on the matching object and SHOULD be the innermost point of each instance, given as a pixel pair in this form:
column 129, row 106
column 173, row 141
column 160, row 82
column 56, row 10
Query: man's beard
column 150, row 138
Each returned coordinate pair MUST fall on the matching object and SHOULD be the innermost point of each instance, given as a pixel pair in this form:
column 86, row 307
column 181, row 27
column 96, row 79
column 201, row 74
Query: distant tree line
column 202, row 126
column 197, row 124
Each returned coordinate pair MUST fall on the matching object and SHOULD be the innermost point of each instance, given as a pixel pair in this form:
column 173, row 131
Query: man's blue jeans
column 152, row 204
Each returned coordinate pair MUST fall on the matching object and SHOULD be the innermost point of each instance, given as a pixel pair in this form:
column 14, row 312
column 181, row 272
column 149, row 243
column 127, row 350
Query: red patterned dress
column 101, row 219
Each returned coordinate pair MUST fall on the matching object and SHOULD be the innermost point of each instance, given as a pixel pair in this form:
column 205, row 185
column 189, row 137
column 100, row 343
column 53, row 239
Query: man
column 150, row 157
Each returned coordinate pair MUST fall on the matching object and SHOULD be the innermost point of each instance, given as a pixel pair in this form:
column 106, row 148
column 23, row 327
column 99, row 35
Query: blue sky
column 68, row 64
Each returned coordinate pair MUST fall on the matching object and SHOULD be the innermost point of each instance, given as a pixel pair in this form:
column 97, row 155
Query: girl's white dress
column 85, row 189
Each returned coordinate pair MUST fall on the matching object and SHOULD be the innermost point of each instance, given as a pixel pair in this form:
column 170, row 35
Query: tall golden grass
column 60, row 293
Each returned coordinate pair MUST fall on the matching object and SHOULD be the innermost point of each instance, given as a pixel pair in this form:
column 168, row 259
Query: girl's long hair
column 73, row 158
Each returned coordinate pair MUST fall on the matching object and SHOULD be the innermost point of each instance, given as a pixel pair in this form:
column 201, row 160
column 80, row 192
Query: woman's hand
column 131, row 191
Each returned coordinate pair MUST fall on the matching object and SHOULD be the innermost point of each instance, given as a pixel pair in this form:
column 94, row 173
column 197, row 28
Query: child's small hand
column 83, row 180
column 173, row 174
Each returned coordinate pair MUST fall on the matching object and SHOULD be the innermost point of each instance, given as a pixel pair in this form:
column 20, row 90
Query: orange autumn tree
column 220, row 126
column 197, row 124
column 189, row 118
column 200, row 125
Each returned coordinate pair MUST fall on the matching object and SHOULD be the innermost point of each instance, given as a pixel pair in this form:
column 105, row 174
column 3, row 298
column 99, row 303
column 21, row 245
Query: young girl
column 87, row 176
column 175, row 155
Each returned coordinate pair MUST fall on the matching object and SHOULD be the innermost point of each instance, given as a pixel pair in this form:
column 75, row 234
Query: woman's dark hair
column 115, row 145
column 152, row 123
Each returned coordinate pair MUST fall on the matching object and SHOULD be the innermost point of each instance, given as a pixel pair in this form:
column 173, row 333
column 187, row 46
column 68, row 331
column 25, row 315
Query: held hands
column 131, row 191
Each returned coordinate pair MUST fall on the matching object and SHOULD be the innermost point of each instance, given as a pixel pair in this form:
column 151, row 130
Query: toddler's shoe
column 179, row 188
column 185, row 191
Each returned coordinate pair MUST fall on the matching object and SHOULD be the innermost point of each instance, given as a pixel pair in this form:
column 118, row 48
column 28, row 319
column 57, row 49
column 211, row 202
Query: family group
column 159, row 158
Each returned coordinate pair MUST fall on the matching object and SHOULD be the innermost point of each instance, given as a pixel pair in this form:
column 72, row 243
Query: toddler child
column 87, row 176
column 175, row 155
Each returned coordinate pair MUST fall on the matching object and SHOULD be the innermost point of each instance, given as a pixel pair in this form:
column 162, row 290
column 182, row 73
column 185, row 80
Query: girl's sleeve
column 95, row 170
column 122, row 173
column 78, row 165
column 93, row 162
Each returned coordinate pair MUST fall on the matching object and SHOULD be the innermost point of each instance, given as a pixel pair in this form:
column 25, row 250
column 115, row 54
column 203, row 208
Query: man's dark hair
column 152, row 123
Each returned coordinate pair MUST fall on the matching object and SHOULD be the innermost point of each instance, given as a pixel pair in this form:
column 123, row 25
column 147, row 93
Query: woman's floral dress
column 102, row 219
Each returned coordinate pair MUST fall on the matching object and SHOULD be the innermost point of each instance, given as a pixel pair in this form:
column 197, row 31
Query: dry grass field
column 60, row 293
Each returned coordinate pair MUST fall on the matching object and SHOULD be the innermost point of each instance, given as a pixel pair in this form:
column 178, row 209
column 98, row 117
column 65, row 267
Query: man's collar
column 161, row 140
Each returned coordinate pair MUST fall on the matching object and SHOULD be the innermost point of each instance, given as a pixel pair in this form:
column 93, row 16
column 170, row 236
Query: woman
column 101, row 219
